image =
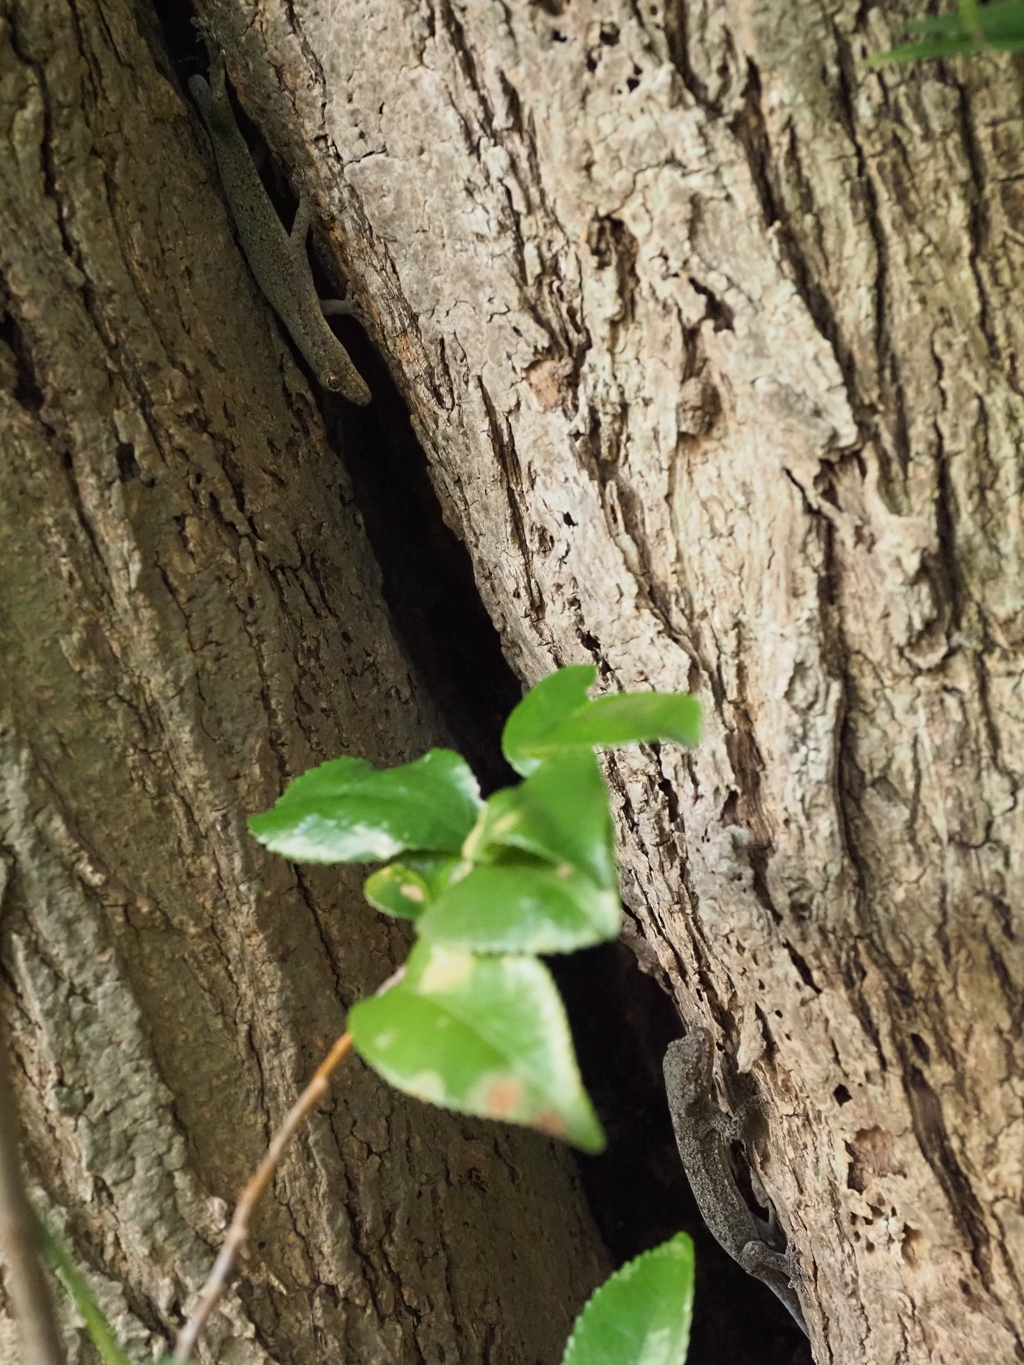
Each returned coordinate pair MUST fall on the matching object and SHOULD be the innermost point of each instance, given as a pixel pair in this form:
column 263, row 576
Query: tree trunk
column 712, row 338
column 191, row 615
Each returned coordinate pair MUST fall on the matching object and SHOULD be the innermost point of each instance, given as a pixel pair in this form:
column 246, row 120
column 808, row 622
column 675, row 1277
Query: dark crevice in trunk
column 622, row 1021
column 428, row 584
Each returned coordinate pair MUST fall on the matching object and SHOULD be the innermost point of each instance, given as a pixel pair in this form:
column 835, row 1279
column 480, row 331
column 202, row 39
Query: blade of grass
column 101, row 1334
column 19, row 1237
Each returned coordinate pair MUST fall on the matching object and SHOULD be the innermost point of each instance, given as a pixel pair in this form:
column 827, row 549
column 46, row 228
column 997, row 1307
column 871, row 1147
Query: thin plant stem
column 19, row 1240
column 239, row 1229
column 970, row 19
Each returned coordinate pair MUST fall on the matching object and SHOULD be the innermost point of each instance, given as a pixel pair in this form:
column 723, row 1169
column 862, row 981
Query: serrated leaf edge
column 622, row 1276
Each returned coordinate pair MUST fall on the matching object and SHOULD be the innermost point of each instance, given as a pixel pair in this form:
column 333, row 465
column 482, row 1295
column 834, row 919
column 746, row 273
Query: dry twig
column 239, row 1229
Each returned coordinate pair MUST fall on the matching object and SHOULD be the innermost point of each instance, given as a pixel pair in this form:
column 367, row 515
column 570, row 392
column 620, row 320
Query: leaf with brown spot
column 484, row 1035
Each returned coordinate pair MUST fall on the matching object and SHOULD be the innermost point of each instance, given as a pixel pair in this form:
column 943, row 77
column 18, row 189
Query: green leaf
column 919, row 52
column 631, row 717
column 101, row 1334
column 345, row 811
column 397, row 890
column 545, row 880
column 1002, row 20
column 407, row 888
column 641, row 1316
column 554, row 699
column 559, row 813
column 481, row 1035
column 970, row 29
column 522, row 905
column 561, row 716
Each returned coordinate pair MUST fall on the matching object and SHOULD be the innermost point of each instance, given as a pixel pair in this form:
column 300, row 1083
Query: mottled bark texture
column 712, row 336
column 190, row 615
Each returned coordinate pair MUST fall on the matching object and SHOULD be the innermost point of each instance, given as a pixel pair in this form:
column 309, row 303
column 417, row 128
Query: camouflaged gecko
column 276, row 258
column 703, row 1136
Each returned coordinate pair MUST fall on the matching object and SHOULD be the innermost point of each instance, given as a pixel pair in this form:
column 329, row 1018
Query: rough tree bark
column 189, row 615
column 712, row 337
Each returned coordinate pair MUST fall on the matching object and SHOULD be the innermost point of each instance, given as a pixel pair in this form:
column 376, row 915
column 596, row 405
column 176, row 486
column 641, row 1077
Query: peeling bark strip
column 190, row 616
column 714, row 340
